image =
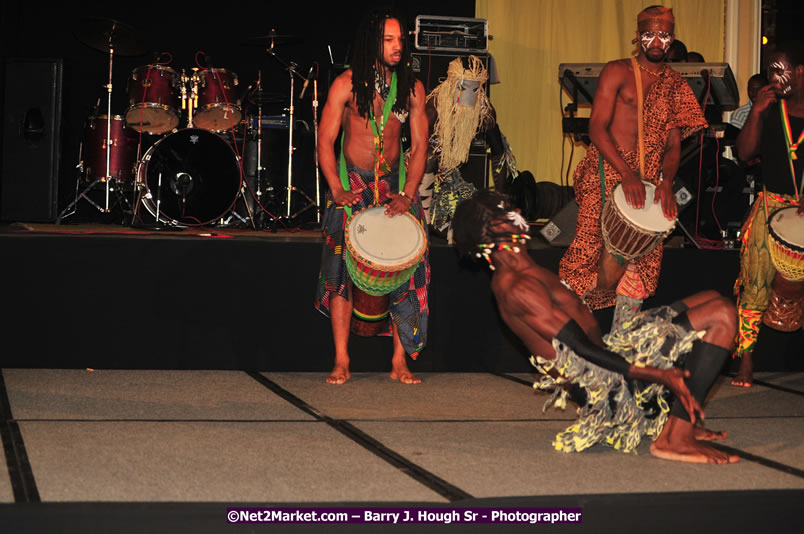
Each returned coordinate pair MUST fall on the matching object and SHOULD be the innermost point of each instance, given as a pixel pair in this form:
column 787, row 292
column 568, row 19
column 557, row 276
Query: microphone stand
column 291, row 67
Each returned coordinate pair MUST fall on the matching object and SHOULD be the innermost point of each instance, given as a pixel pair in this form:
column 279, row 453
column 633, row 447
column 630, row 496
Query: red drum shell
column 218, row 101
column 123, row 151
column 153, row 98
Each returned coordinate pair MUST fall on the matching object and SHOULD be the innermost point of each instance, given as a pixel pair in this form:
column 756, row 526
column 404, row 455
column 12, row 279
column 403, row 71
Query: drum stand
column 110, row 32
column 292, row 72
column 111, row 185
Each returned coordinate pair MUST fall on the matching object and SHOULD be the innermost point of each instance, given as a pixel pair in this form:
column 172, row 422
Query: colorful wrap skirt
column 753, row 286
column 408, row 304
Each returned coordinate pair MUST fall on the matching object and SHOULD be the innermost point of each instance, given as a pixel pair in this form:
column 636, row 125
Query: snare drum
column 218, row 102
column 631, row 233
column 123, row 151
column 153, row 99
column 786, row 243
column 191, row 177
column 383, row 252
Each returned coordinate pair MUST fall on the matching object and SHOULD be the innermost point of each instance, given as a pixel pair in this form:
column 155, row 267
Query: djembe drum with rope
column 630, row 233
column 382, row 253
column 786, row 246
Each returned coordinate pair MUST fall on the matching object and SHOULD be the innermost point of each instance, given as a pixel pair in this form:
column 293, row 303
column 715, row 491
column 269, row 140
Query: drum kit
column 178, row 149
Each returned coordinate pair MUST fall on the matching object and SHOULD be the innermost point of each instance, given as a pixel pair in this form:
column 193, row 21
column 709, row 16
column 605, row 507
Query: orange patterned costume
column 670, row 103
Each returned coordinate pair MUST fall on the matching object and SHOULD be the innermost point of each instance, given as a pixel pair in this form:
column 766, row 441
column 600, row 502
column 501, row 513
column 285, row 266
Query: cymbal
column 101, row 33
column 272, row 37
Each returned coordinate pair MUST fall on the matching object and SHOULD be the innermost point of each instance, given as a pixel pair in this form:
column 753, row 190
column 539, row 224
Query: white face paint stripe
column 647, row 38
column 782, row 74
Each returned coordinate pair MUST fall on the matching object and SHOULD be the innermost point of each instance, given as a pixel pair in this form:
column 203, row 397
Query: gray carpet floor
column 172, row 438
column 186, row 436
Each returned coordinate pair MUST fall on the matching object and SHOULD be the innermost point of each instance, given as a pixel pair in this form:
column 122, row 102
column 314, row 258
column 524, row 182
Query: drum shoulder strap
column 640, row 116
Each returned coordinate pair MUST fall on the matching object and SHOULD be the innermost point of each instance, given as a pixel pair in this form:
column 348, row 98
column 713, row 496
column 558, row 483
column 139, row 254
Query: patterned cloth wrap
column 618, row 412
column 408, row 303
column 670, row 103
column 754, row 285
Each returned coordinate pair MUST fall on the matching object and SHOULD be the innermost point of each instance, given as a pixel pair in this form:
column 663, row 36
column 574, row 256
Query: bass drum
column 191, row 178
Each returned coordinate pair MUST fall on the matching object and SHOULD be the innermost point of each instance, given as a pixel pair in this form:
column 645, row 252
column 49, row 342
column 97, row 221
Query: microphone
column 306, row 82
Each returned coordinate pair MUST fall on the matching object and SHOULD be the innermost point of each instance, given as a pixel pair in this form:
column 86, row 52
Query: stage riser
column 192, row 303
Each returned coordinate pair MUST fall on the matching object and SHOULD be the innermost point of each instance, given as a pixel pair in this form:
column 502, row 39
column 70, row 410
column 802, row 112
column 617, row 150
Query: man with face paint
column 623, row 151
column 774, row 131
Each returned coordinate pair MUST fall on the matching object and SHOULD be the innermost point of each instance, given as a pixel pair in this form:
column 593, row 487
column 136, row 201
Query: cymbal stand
column 315, row 150
column 109, row 125
column 107, row 178
column 291, row 124
column 291, row 67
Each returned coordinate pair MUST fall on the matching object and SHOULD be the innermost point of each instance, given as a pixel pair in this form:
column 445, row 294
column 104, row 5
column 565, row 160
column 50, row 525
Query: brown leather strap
column 640, row 124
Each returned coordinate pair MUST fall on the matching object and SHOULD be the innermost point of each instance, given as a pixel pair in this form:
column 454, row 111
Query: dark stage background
column 176, row 302
column 29, row 30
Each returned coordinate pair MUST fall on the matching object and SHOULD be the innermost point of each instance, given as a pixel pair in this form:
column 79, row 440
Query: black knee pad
column 704, row 363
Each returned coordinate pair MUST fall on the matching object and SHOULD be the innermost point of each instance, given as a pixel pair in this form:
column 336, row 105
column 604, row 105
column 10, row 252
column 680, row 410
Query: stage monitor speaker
column 31, row 140
column 560, row 231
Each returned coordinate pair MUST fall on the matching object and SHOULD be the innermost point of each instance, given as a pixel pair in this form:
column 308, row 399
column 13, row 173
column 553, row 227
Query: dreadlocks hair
column 367, row 54
column 472, row 222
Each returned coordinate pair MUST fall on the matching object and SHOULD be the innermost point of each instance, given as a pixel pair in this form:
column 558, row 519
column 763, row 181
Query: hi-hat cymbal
column 102, row 33
column 272, row 37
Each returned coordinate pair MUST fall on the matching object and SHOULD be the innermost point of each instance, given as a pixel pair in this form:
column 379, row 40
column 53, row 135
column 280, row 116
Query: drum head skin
column 788, row 226
column 648, row 218
column 386, row 241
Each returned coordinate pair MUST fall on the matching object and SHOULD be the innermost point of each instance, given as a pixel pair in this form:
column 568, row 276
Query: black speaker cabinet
column 31, row 140
column 431, row 67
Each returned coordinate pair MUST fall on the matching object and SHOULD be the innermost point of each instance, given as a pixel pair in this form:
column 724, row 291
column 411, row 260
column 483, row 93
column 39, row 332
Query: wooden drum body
column 786, row 246
column 630, row 233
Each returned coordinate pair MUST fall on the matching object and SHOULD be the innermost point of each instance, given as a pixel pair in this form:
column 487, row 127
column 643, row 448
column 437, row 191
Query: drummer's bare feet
column 399, row 365
column 677, row 442
column 340, row 373
column 704, row 434
column 745, row 373
column 400, row 371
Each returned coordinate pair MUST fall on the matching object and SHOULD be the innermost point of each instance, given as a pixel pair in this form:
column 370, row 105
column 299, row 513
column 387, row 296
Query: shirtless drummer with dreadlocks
column 371, row 101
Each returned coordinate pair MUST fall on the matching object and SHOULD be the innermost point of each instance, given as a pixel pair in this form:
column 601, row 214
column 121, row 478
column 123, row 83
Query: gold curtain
column 532, row 37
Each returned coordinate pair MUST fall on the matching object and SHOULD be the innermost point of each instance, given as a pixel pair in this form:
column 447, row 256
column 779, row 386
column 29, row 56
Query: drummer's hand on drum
column 800, row 210
column 664, row 194
column 347, row 198
column 634, row 191
column 399, row 204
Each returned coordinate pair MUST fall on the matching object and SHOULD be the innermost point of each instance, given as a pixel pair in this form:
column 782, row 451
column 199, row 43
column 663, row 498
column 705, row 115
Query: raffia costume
column 616, row 411
column 463, row 110
column 670, row 103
